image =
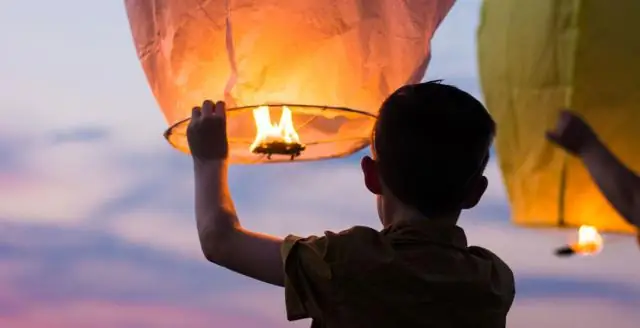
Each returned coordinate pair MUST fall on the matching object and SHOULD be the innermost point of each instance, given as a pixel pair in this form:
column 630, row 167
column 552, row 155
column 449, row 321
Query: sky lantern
column 536, row 57
column 302, row 79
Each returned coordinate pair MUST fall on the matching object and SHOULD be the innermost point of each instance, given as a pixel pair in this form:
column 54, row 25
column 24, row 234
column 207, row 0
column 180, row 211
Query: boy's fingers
column 207, row 108
column 221, row 109
column 196, row 112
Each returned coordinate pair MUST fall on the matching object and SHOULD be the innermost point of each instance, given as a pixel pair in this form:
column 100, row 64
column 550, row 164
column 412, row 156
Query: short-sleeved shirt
column 412, row 274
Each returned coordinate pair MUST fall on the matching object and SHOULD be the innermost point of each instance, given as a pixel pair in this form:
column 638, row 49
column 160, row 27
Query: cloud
column 574, row 312
column 80, row 134
column 535, row 287
column 71, row 277
column 124, row 314
column 61, row 182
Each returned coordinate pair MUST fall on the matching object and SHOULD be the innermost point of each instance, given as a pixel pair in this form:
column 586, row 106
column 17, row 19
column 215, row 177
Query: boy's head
column 430, row 148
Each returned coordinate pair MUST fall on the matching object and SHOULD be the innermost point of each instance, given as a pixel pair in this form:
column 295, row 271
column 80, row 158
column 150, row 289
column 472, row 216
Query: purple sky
column 96, row 220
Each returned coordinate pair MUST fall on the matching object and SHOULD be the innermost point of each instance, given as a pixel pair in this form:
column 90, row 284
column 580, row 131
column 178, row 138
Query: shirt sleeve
column 315, row 265
column 307, row 275
column 503, row 278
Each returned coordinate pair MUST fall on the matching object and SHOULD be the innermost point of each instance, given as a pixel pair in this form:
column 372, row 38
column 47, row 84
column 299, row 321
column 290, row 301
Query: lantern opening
column 280, row 138
column 303, row 132
column 589, row 242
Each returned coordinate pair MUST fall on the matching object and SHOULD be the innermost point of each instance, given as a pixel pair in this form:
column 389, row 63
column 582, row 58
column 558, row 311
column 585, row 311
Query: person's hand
column 207, row 132
column 572, row 133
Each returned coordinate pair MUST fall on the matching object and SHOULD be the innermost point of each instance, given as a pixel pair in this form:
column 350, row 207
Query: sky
column 96, row 210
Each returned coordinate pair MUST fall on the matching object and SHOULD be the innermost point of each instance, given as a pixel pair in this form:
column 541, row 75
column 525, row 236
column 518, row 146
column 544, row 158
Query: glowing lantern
column 537, row 57
column 323, row 67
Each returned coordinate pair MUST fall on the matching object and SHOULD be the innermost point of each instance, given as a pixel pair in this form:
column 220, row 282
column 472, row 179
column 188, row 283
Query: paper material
column 342, row 53
column 537, row 57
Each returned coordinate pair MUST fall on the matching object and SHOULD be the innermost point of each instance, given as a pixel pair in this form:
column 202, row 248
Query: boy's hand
column 207, row 132
column 572, row 133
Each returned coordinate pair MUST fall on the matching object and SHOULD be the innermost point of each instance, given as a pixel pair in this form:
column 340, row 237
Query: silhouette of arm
column 222, row 238
column 618, row 183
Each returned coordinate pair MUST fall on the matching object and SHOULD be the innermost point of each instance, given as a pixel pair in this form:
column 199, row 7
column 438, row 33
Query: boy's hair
column 431, row 142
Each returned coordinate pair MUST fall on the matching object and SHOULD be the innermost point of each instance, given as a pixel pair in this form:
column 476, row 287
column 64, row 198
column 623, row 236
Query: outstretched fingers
column 207, row 108
column 217, row 109
column 196, row 112
column 221, row 109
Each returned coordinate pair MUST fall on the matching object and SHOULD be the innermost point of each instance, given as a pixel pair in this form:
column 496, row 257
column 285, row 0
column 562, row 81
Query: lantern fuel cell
column 589, row 242
column 565, row 251
column 302, row 79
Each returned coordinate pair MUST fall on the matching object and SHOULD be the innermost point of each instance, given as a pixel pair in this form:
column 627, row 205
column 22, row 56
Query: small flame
column 590, row 241
column 269, row 132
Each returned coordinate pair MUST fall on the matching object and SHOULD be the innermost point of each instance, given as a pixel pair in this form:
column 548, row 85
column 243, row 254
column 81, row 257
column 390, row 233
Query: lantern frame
column 176, row 134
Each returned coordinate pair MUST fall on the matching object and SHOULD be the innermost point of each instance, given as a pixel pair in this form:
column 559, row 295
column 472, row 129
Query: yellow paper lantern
column 320, row 69
column 537, row 57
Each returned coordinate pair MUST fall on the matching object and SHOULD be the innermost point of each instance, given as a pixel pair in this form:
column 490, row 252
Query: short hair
column 431, row 140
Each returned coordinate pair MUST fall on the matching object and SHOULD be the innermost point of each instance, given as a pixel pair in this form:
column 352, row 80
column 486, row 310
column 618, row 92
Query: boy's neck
column 405, row 213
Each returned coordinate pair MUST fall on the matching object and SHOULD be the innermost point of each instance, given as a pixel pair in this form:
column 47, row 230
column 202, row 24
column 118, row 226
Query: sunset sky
column 96, row 220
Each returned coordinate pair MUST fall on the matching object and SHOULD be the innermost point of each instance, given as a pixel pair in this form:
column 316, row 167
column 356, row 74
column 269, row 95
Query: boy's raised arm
column 222, row 238
column 618, row 183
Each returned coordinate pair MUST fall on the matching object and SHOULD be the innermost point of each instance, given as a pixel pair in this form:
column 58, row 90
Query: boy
column 430, row 147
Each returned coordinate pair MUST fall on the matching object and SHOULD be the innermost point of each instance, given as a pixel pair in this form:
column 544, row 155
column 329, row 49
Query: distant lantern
column 537, row 57
column 302, row 78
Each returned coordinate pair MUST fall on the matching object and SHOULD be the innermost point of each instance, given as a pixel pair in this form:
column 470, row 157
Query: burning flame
column 269, row 132
column 589, row 241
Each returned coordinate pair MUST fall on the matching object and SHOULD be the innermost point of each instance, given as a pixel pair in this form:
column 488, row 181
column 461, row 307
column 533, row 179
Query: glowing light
column 589, row 242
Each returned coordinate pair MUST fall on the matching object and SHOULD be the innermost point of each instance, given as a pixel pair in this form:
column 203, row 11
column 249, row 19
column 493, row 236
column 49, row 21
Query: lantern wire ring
column 280, row 148
column 168, row 132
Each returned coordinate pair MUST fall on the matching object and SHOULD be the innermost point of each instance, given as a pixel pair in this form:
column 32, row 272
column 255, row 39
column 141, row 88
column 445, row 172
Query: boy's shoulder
column 355, row 232
column 357, row 244
column 501, row 271
column 491, row 256
column 354, row 237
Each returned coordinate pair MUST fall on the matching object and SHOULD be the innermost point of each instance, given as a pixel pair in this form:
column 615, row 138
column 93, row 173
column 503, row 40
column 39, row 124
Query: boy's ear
column 371, row 176
column 475, row 193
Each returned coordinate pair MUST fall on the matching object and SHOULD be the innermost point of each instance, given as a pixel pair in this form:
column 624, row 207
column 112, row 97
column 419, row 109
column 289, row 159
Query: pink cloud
column 99, row 314
column 573, row 312
column 87, row 279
